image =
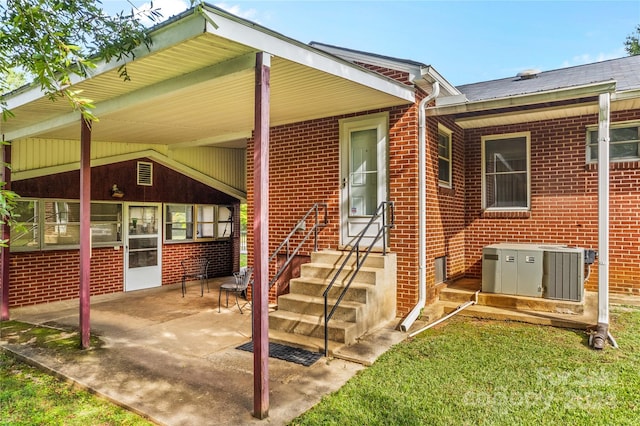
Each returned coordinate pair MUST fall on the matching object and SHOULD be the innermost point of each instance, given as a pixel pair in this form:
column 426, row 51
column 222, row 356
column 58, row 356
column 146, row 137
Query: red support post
column 85, row 232
column 6, row 234
column 260, row 289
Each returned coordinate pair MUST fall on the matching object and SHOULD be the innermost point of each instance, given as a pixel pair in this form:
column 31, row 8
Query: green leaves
column 632, row 43
column 54, row 41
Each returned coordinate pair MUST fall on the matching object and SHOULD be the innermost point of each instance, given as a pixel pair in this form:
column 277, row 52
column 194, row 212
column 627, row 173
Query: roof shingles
column 625, row 71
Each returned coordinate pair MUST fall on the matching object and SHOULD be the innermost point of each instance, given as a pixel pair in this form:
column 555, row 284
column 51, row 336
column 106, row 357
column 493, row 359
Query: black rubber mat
column 287, row 353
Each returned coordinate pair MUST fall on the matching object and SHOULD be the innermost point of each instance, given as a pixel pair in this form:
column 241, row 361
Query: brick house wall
column 564, row 199
column 446, row 206
column 304, row 169
column 50, row 276
column 53, row 275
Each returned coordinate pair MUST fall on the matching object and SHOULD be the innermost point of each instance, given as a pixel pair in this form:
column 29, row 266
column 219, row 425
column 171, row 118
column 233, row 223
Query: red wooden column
column 85, row 231
column 260, row 289
column 6, row 234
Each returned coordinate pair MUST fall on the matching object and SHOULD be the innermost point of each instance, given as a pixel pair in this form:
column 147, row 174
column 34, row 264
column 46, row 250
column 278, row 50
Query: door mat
column 287, row 353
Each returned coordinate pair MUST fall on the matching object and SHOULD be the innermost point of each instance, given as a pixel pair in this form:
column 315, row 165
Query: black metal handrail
column 384, row 209
column 316, row 210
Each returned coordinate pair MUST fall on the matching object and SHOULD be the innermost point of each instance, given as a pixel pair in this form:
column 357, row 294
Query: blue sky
column 466, row 41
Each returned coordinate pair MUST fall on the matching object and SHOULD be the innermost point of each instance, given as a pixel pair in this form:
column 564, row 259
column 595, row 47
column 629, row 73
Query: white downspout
column 422, row 196
column 602, row 328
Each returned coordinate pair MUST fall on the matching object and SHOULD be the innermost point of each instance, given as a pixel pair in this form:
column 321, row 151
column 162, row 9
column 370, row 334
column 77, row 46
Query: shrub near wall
column 564, row 199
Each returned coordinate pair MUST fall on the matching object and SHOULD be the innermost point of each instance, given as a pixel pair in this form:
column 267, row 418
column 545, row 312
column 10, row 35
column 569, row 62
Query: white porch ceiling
column 199, row 90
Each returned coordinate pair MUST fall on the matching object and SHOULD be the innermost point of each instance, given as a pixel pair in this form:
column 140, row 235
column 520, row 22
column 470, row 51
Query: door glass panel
column 363, row 173
column 143, row 252
column 142, row 220
column 143, row 239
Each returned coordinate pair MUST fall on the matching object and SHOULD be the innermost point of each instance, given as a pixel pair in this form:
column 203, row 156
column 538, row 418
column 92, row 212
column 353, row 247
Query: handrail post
column 326, row 327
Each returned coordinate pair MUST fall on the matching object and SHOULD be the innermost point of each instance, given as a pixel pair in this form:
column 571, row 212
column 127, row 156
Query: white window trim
column 194, row 213
column 527, row 136
column 446, row 184
column 41, row 223
column 617, row 125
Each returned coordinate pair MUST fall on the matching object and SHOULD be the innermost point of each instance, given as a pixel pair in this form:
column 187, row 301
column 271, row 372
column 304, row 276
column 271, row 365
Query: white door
column 363, row 146
column 143, row 246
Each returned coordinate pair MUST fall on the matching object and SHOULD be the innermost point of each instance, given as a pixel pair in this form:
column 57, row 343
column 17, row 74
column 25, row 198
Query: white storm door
column 363, row 146
column 143, row 246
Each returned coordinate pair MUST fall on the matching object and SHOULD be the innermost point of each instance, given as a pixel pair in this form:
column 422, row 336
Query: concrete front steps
column 533, row 310
column 369, row 302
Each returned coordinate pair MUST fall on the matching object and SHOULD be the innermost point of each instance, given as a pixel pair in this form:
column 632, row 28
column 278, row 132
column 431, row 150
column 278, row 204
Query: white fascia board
column 149, row 153
column 575, row 92
column 625, row 95
column 278, row 45
column 165, row 36
column 144, row 94
column 430, row 74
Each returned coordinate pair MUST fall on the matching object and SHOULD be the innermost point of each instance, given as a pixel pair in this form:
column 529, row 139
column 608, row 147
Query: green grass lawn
column 29, row 396
column 462, row 372
column 473, row 372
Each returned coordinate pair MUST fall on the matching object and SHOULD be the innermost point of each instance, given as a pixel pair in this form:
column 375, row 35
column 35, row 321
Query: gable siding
column 564, row 199
column 223, row 164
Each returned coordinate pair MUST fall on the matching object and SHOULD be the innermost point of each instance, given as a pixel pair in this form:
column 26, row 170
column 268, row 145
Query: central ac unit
column 553, row 272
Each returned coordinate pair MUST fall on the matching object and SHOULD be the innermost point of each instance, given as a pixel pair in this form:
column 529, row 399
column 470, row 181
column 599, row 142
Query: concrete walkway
column 173, row 359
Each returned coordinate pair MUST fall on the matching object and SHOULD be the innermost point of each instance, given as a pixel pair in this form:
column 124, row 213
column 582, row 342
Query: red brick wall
column 304, row 169
column 218, row 252
column 564, row 199
column 445, row 206
column 50, row 276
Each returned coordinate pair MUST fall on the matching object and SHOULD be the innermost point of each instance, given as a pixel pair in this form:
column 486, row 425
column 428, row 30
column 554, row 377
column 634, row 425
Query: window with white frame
column 505, row 172
column 207, row 220
column 444, row 156
column 49, row 224
column 178, row 219
column 624, row 142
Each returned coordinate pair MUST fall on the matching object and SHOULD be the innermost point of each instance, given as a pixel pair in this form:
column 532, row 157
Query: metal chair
column 195, row 268
column 239, row 287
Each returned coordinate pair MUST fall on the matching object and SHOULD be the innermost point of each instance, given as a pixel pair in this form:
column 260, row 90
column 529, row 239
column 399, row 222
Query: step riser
column 369, row 300
column 314, row 270
column 354, row 294
column 336, row 334
column 342, row 313
column 336, row 258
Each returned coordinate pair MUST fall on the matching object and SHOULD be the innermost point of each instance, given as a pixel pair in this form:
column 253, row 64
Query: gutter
column 554, row 95
column 422, row 196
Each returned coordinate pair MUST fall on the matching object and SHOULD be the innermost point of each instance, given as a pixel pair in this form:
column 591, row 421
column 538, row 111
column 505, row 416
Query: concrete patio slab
column 173, row 359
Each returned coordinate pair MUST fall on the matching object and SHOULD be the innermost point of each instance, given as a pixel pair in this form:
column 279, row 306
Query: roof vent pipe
column 528, row 74
column 422, row 197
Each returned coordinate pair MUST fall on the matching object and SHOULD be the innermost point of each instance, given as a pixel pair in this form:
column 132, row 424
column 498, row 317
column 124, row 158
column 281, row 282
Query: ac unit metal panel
column 529, row 274
column 509, row 263
column 491, row 270
column 563, row 277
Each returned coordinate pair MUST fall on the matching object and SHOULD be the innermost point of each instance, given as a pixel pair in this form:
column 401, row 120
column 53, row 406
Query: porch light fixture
column 116, row 192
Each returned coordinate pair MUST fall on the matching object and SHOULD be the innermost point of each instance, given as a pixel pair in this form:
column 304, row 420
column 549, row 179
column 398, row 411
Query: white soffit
column 550, row 113
column 202, row 87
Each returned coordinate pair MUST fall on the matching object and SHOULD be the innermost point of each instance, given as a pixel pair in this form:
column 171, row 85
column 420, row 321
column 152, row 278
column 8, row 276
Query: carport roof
column 196, row 87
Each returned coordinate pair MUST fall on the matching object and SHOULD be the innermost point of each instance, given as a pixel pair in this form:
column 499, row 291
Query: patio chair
column 195, row 268
column 239, row 287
